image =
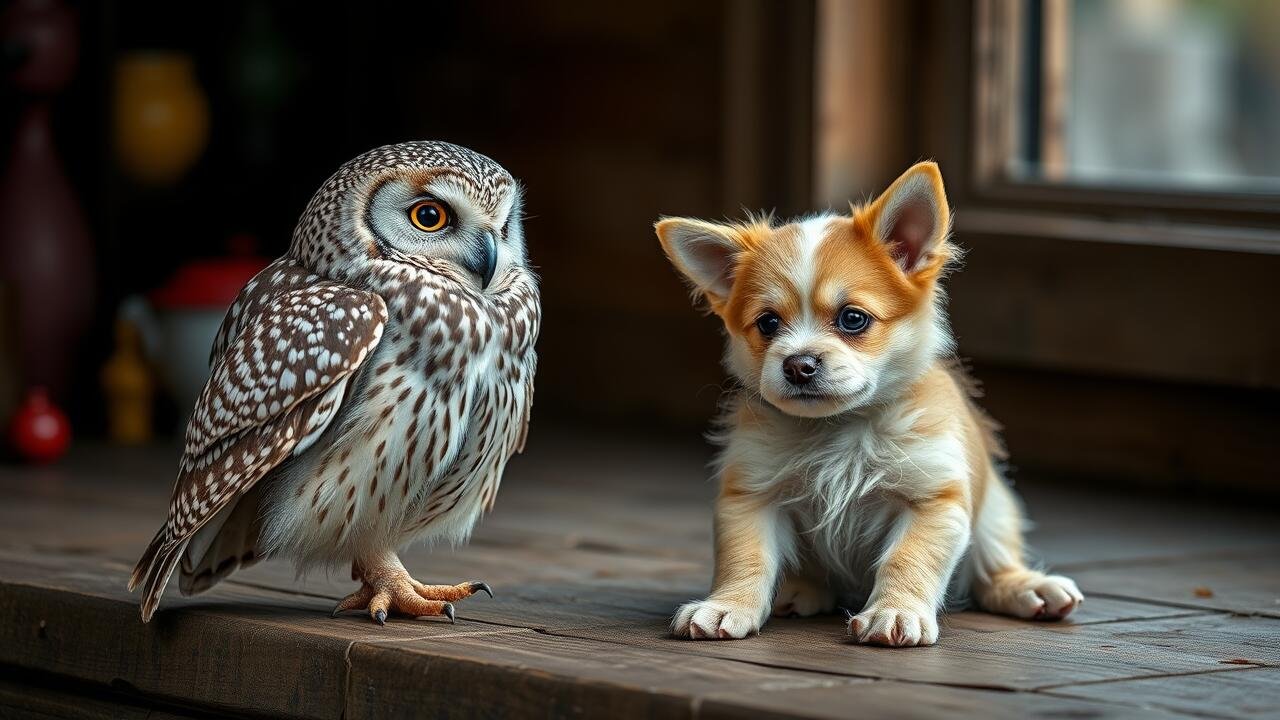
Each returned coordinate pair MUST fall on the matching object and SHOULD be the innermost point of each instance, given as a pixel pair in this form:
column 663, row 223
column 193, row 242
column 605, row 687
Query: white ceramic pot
column 180, row 320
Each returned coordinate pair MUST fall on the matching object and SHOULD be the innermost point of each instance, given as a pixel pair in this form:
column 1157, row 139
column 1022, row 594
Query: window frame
column 1038, row 256
column 992, row 77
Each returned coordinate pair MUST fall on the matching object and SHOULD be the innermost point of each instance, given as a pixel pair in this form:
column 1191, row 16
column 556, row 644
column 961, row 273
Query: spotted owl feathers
column 296, row 400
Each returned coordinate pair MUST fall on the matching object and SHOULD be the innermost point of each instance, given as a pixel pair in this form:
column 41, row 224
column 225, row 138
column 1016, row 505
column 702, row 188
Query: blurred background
column 1114, row 166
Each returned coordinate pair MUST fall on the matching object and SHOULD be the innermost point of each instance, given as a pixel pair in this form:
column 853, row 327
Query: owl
column 367, row 388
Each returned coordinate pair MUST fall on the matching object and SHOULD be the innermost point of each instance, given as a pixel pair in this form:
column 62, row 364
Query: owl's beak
column 484, row 259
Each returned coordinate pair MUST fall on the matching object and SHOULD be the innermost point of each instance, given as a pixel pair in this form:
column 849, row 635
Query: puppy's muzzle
column 800, row 369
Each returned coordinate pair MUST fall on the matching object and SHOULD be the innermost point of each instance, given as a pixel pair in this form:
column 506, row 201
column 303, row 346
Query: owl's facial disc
column 437, row 221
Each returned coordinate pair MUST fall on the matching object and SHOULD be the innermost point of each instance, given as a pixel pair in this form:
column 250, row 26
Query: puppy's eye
column 853, row 321
column 429, row 215
column 768, row 323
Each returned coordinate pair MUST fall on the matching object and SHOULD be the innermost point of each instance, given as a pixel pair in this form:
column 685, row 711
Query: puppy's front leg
column 750, row 538
column 913, row 574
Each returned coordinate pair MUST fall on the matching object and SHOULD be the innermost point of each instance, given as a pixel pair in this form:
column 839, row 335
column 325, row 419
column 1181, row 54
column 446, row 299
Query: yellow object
column 127, row 384
column 161, row 116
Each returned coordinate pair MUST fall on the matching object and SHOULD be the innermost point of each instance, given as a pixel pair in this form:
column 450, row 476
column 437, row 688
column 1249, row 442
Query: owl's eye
column 852, row 320
column 768, row 323
column 429, row 215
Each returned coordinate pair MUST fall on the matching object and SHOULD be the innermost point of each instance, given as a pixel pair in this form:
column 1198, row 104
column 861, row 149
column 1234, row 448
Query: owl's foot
column 388, row 587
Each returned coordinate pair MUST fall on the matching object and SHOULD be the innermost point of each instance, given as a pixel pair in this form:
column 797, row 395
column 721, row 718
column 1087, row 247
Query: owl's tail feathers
column 222, row 546
column 154, row 569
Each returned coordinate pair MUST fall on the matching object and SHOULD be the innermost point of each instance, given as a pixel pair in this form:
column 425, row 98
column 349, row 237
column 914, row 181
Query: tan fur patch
column 899, row 462
column 741, row 562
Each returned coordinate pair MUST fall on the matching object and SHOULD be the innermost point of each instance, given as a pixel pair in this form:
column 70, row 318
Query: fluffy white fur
column 825, row 499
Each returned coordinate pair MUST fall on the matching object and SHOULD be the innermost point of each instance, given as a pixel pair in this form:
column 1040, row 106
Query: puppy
column 854, row 465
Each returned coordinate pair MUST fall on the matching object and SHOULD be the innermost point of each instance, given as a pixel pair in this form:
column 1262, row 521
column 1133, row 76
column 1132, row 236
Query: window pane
column 1152, row 93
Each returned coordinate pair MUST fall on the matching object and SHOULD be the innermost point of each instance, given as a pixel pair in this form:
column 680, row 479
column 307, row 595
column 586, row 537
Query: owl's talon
column 451, row 593
column 357, row 600
column 388, row 588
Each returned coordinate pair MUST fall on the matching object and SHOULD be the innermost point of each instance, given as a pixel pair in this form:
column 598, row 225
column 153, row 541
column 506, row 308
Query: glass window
column 1149, row 94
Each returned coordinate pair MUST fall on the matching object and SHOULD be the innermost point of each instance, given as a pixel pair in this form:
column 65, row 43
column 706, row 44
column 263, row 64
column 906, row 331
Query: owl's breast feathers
column 499, row 330
column 429, row 426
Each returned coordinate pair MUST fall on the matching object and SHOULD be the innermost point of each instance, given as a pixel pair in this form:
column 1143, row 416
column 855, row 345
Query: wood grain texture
column 22, row 699
column 908, row 701
column 531, row 674
column 1230, row 640
column 1245, row 583
column 1244, row 693
column 1012, row 660
column 1096, row 610
column 240, row 649
column 595, row 541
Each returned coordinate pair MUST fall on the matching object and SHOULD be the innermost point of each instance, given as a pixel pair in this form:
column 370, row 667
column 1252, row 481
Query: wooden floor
column 594, row 542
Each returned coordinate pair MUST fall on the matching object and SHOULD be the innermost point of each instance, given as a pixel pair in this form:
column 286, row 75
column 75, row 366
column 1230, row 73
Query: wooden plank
column 907, row 701
column 1019, row 300
column 1077, row 527
column 236, row 649
column 221, row 662
column 1013, row 660
column 550, row 606
column 507, row 570
column 1244, row 693
column 1228, row 639
column 24, row 700
column 1095, row 610
column 576, row 490
column 294, row 612
column 565, row 606
column 1248, row 584
column 587, row 574
column 1116, row 414
column 96, row 500
column 534, row 675
column 603, row 602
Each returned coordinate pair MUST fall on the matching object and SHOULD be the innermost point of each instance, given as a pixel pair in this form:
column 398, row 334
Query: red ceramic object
column 40, row 431
column 212, row 283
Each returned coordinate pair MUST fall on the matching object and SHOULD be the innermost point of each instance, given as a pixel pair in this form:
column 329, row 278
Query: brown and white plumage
column 368, row 387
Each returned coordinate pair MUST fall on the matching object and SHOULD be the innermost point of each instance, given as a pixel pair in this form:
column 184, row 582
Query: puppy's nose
column 800, row 369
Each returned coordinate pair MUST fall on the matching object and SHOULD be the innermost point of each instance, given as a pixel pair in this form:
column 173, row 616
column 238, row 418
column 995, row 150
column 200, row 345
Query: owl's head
column 428, row 204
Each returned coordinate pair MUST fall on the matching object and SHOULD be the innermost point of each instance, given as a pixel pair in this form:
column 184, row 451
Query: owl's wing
column 281, row 276
column 272, row 393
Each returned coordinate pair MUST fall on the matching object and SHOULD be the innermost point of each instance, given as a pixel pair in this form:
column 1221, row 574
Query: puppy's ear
column 912, row 218
column 705, row 253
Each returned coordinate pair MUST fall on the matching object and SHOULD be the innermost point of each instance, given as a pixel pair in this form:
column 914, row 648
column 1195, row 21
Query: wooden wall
column 1120, row 336
column 612, row 115
column 1104, row 359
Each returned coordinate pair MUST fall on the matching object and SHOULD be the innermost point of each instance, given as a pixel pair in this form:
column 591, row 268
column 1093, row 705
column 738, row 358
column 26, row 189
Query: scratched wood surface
column 595, row 540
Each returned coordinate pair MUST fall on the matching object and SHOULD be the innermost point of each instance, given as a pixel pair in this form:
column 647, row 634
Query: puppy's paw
column 890, row 626
column 1055, row 597
column 1035, row 596
column 714, row 620
column 803, row 598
